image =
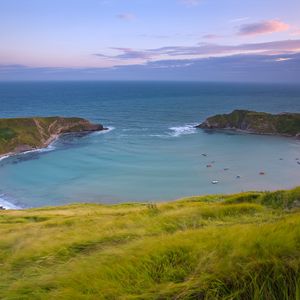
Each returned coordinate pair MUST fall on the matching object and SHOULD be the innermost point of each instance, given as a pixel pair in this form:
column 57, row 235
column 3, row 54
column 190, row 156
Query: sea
column 152, row 150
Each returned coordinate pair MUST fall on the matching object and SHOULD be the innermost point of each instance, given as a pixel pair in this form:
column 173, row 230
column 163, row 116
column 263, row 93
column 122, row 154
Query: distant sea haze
column 152, row 151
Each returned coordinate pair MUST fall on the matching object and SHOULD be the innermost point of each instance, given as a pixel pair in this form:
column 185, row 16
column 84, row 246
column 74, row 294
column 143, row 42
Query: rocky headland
column 24, row 134
column 285, row 124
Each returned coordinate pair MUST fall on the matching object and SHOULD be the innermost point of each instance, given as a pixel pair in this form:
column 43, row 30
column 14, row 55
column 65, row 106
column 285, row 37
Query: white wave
column 50, row 147
column 109, row 129
column 3, row 157
column 183, row 130
column 7, row 205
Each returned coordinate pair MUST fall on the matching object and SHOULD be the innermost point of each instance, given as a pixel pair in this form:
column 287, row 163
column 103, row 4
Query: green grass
column 259, row 122
column 31, row 133
column 7, row 134
column 243, row 246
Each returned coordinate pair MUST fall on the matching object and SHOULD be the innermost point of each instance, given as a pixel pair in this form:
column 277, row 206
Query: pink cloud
column 263, row 27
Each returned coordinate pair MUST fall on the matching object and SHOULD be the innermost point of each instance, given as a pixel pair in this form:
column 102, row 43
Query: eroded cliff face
column 23, row 134
column 287, row 124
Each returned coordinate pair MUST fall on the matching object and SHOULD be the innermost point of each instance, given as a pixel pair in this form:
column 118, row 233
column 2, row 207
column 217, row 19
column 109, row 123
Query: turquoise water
column 151, row 152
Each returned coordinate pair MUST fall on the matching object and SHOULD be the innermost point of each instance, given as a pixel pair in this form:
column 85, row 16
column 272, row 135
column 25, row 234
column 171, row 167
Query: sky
column 221, row 40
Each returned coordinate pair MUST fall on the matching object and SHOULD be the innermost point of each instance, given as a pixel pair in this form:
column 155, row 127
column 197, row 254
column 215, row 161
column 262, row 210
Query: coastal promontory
column 285, row 124
column 23, row 134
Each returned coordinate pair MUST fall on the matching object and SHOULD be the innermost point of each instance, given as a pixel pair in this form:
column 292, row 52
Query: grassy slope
column 16, row 131
column 244, row 246
column 24, row 131
column 286, row 124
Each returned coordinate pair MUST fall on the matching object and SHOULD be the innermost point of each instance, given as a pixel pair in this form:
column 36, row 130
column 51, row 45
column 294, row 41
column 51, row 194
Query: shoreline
column 43, row 148
column 228, row 129
column 54, row 138
column 47, row 143
column 45, row 130
column 7, row 205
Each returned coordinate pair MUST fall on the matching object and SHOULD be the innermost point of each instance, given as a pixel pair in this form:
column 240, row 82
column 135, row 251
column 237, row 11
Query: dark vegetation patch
column 7, row 134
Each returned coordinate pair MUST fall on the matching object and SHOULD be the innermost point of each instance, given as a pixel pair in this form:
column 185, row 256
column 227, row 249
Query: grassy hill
column 243, row 246
column 256, row 122
column 22, row 134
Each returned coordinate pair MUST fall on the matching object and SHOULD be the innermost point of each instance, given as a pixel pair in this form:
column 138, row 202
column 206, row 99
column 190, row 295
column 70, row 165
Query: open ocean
column 152, row 151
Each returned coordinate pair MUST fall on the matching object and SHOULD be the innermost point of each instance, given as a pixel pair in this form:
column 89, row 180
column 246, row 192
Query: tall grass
column 244, row 246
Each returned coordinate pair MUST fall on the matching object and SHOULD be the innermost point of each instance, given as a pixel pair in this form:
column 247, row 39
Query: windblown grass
column 244, row 246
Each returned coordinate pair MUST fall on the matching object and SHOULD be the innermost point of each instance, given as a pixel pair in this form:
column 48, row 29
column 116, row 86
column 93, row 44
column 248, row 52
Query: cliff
column 287, row 124
column 23, row 134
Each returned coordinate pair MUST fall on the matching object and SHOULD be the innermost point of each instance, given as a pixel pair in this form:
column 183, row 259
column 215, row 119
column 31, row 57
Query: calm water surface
column 152, row 151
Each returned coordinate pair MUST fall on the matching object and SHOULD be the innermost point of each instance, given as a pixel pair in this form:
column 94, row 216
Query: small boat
column 208, row 166
column 262, row 173
column 280, row 158
column 215, row 182
column 238, row 176
column 297, row 158
column 298, row 162
column 204, row 154
column 226, row 169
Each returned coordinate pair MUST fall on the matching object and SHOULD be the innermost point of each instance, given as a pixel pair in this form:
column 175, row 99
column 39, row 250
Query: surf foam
column 104, row 131
column 7, row 205
column 183, row 130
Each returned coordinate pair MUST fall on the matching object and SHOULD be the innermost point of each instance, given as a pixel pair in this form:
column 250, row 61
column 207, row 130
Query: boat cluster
column 210, row 165
column 262, row 173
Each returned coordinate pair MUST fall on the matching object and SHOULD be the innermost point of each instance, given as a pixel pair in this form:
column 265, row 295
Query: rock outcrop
column 23, row 134
column 285, row 124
